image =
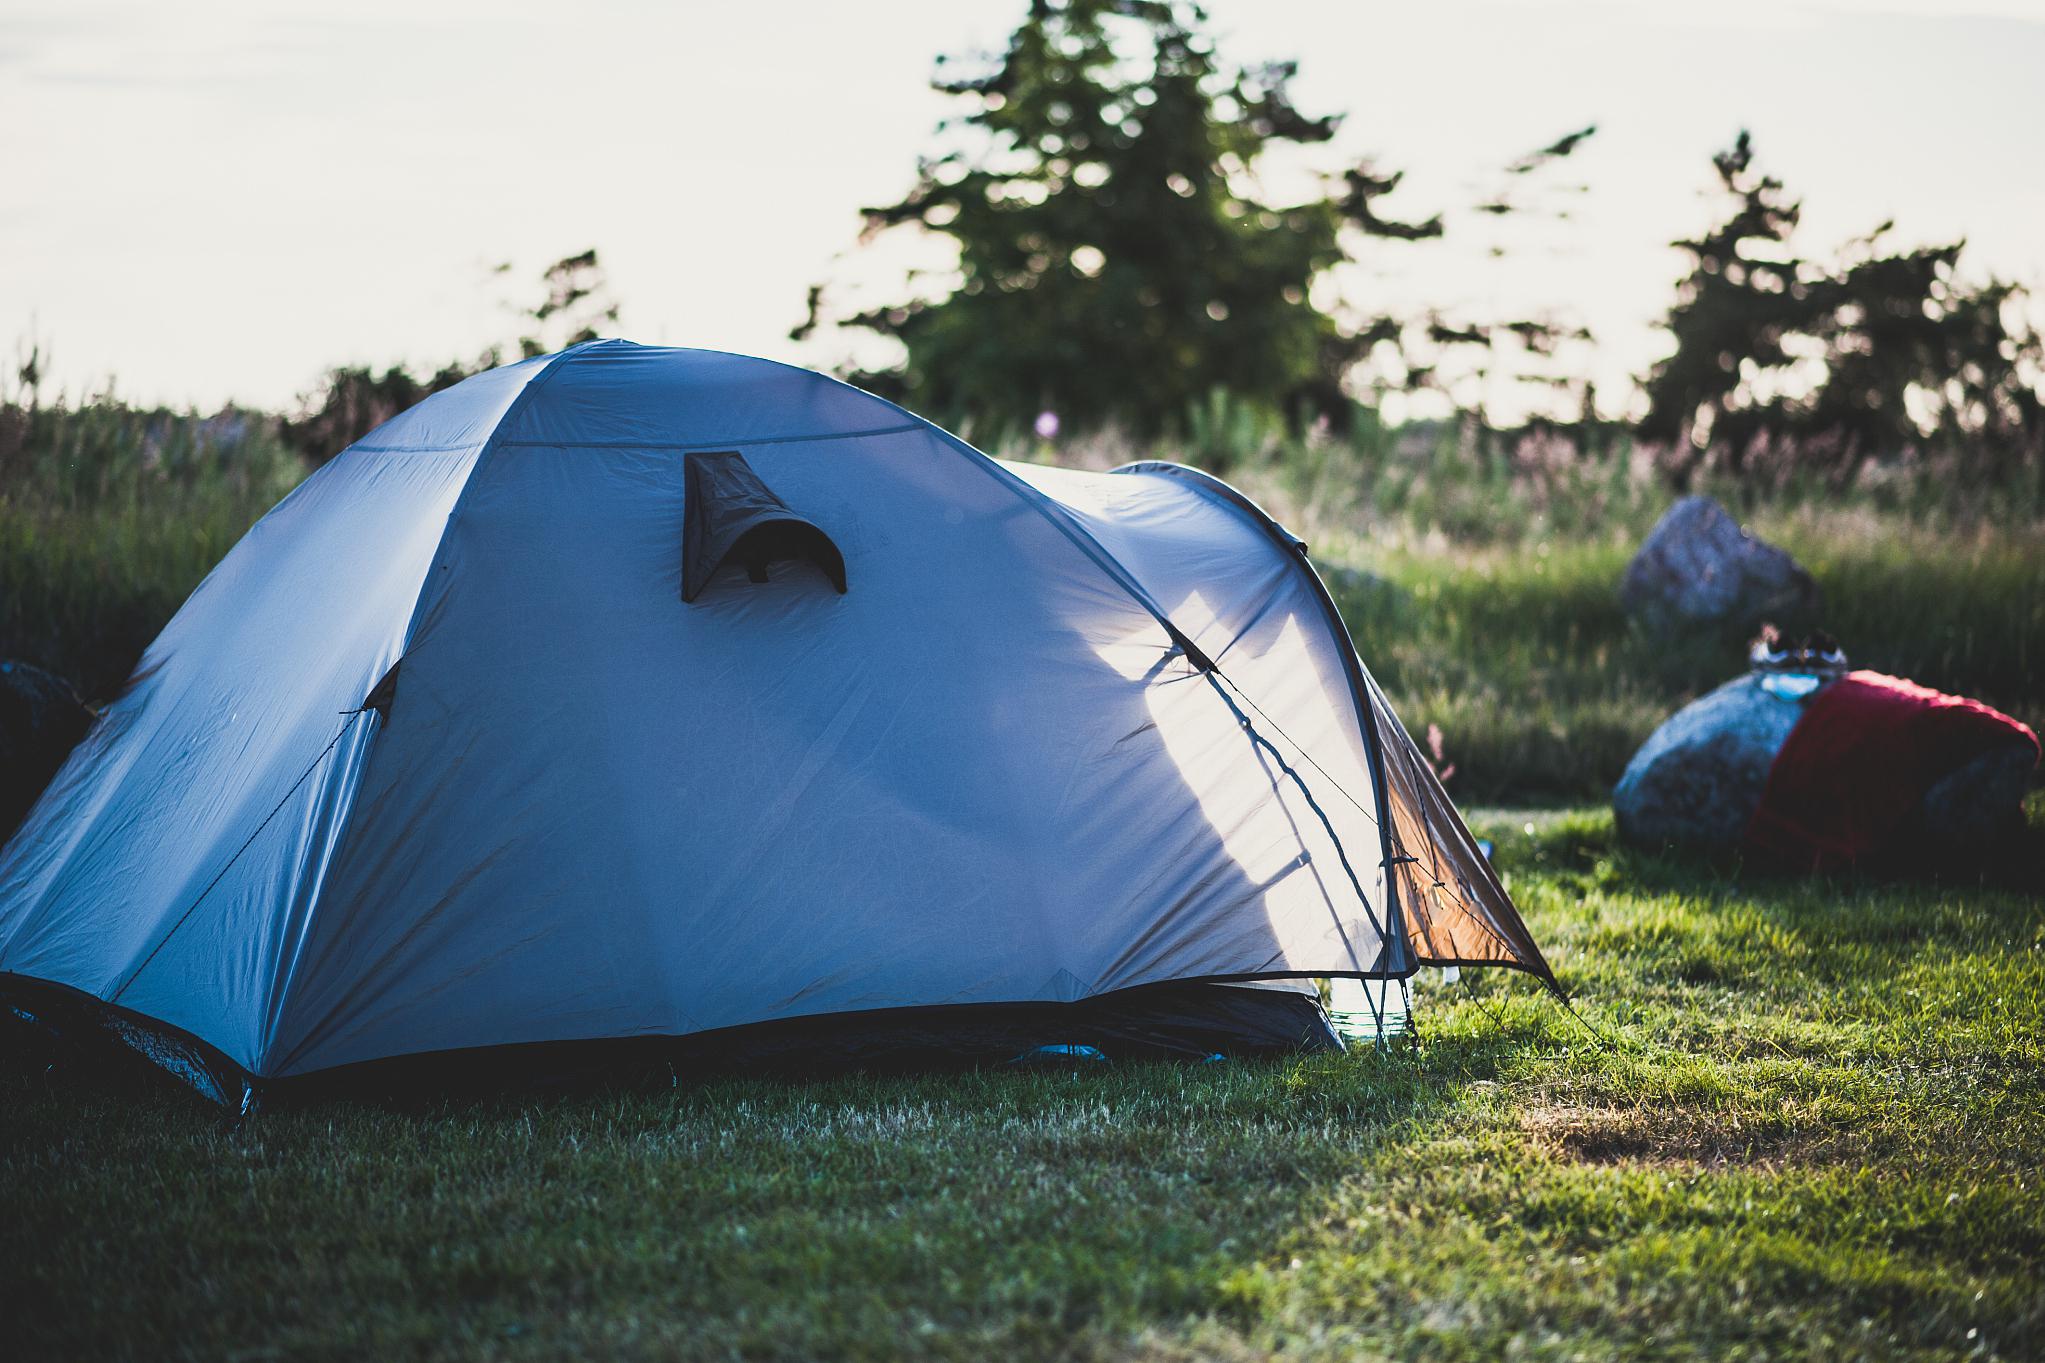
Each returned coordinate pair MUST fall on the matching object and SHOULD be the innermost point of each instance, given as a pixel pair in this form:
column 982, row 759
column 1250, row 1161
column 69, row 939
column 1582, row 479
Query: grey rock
column 41, row 720
column 1698, row 779
column 1698, row 571
column 1980, row 803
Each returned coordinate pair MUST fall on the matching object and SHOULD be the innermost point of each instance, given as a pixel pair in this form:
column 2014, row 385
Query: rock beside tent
column 41, row 720
column 1863, row 769
column 1698, row 779
column 1698, row 571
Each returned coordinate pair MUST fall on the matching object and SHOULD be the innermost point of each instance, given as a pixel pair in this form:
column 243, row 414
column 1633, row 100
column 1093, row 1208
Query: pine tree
column 1117, row 259
column 1788, row 362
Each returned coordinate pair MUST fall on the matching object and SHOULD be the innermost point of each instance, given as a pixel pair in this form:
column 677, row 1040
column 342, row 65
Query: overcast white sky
column 212, row 200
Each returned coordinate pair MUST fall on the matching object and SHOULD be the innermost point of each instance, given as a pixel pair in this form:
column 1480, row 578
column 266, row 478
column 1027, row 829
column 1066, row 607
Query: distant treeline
column 1121, row 275
column 1119, row 266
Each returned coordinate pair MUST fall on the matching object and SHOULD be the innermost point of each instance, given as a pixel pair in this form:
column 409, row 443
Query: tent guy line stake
column 1497, row 1018
column 1569, row 1007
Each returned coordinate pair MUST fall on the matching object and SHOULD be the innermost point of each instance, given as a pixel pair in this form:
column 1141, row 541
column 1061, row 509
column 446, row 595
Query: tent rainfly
column 680, row 700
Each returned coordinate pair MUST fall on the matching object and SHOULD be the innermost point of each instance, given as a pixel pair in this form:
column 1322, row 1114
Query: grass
column 1819, row 1134
column 1481, row 589
column 110, row 516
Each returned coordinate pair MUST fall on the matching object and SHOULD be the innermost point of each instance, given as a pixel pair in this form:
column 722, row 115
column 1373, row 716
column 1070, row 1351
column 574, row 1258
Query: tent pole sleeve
column 1374, row 741
column 1359, row 690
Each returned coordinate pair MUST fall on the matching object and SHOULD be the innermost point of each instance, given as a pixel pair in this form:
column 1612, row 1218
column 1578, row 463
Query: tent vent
column 734, row 518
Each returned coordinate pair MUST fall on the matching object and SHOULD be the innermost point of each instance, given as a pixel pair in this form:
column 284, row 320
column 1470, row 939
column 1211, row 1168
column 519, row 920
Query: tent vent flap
column 734, row 518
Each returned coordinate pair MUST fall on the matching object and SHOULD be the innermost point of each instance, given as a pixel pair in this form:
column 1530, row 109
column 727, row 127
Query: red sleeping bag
column 1858, row 764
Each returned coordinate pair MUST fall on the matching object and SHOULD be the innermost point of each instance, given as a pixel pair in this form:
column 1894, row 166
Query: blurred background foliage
column 1108, row 207
column 1108, row 198
column 1784, row 361
column 1126, row 265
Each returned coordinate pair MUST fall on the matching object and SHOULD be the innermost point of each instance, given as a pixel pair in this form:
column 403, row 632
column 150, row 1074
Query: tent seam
column 411, row 449
column 247, row 843
column 1385, row 940
column 274, row 1004
column 732, row 442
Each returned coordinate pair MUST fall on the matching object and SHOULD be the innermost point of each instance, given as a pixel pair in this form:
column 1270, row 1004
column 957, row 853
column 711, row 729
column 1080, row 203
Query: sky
column 217, row 200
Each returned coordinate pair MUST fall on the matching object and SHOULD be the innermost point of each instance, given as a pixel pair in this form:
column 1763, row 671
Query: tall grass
column 1479, row 576
column 1457, row 482
column 110, row 515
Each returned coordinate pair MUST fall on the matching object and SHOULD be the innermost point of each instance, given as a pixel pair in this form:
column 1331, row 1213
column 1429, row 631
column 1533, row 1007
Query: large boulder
column 41, row 720
column 1823, row 770
column 1699, row 572
column 1698, row 779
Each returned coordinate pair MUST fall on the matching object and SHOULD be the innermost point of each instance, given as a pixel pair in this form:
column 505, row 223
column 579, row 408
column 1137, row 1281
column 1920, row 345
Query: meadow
column 1810, row 1122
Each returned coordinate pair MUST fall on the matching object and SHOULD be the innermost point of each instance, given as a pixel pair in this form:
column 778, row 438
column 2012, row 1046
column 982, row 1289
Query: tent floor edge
column 1175, row 1021
column 73, row 1024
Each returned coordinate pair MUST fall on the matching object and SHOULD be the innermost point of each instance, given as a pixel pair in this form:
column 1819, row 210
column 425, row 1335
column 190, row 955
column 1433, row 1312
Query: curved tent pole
column 1360, row 686
column 1351, row 666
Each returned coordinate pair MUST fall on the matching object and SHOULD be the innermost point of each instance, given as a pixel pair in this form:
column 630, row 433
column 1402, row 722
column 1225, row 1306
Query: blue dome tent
column 681, row 698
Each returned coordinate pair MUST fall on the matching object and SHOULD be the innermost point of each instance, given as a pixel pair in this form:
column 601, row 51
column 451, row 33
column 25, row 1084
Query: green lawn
column 1821, row 1134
